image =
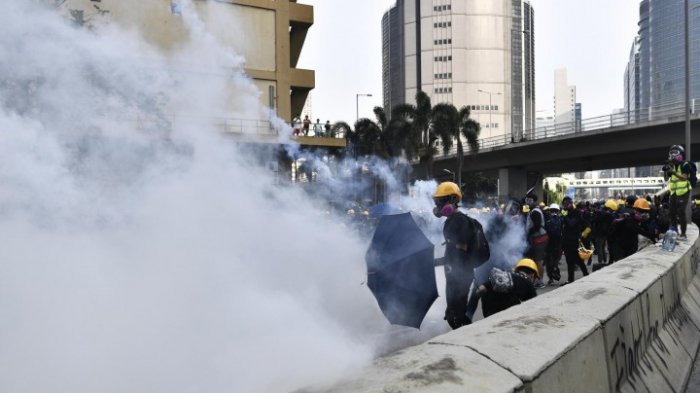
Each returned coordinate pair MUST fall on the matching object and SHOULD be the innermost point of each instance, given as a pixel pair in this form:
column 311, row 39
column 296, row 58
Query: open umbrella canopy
column 400, row 270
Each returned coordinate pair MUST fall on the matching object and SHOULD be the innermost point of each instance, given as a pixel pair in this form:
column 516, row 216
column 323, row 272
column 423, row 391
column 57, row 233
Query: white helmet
column 351, row 212
column 554, row 206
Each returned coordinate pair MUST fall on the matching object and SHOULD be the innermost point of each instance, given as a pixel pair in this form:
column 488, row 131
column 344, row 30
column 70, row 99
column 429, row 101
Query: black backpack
column 693, row 178
column 553, row 226
column 478, row 247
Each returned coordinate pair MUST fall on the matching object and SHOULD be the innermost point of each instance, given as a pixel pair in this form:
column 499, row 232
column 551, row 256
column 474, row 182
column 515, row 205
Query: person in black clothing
column 587, row 215
column 537, row 237
column 630, row 228
column 459, row 266
column 506, row 289
column 601, row 228
column 573, row 227
column 552, row 253
column 678, row 173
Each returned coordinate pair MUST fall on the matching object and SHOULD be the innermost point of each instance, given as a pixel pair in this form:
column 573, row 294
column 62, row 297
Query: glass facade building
column 393, row 82
column 662, row 55
column 633, row 84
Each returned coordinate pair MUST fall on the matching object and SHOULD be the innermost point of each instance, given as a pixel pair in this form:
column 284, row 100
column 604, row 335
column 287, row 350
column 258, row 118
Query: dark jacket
column 601, row 223
column 628, row 239
column 572, row 227
column 457, row 231
column 493, row 302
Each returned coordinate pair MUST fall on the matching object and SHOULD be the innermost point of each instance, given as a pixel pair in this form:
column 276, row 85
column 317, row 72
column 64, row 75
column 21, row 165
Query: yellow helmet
column 620, row 202
column 610, row 204
column 583, row 252
column 530, row 264
column 641, row 204
column 542, row 204
column 446, row 189
column 473, row 210
column 526, row 209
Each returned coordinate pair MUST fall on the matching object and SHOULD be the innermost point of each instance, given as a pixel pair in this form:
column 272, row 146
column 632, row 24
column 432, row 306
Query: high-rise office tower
column 662, row 56
column 564, row 99
column 476, row 53
column 632, row 84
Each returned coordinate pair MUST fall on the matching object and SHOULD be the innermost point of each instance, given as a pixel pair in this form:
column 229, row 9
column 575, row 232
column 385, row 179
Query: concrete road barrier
column 631, row 327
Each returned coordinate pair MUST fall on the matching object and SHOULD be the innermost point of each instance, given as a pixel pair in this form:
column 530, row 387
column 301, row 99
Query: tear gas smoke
column 143, row 250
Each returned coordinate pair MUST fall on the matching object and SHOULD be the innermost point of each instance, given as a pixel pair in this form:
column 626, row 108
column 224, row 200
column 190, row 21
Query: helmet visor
column 442, row 201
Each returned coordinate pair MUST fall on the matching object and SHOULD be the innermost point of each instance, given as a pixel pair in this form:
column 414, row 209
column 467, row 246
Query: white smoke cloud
column 145, row 251
column 142, row 250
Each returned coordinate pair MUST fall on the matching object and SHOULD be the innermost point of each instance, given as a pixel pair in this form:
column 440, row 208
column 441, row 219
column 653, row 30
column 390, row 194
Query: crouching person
column 505, row 289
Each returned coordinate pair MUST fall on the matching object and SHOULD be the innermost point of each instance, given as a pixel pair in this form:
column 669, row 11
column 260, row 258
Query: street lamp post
column 687, row 82
column 490, row 106
column 451, row 173
column 528, row 81
column 357, row 104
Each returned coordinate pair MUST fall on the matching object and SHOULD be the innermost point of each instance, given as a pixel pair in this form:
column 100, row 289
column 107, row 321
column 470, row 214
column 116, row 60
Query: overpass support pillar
column 512, row 183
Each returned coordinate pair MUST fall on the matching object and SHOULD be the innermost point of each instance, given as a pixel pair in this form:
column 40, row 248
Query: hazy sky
column 591, row 39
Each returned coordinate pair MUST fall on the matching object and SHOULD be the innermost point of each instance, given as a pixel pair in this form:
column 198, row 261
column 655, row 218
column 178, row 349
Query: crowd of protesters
column 573, row 229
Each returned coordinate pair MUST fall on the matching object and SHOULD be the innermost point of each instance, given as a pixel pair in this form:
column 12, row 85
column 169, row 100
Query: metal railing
column 225, row 125
column 669, row 113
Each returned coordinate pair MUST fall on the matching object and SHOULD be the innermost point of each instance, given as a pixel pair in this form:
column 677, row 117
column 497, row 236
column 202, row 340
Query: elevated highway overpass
column 617, row 141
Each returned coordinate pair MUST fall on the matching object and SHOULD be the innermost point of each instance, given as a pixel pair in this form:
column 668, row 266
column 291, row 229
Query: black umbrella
column 400, row 270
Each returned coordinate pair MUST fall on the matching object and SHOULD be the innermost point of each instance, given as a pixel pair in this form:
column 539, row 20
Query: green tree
column 453, row 126
column 421, row 139
column 554, row 195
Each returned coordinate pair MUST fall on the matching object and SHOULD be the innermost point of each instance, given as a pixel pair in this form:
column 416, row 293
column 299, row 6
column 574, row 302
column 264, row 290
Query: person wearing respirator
column 678, row 172
column 459, row 269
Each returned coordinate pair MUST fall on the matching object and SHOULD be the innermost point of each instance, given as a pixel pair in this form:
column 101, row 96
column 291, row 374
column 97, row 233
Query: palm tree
column 398, row 134
column 421, row 139
column 451, row 126
column 364, row 139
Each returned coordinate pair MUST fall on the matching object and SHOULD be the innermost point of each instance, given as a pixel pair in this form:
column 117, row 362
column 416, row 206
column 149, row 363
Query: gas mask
column 443, row 207
column 675, row 156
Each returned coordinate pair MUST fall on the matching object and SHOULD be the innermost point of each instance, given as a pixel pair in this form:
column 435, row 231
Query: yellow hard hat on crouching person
column 530, row 264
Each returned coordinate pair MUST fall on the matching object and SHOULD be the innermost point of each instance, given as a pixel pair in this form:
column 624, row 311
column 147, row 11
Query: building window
column 176, row 7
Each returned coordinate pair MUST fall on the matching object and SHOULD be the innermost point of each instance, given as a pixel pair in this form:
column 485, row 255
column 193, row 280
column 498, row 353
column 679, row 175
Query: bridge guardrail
column 670, row 112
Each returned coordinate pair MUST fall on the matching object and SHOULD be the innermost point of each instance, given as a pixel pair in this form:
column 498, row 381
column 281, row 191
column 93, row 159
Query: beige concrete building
column 269, row 34
column 478, row 53
column 564, row 99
